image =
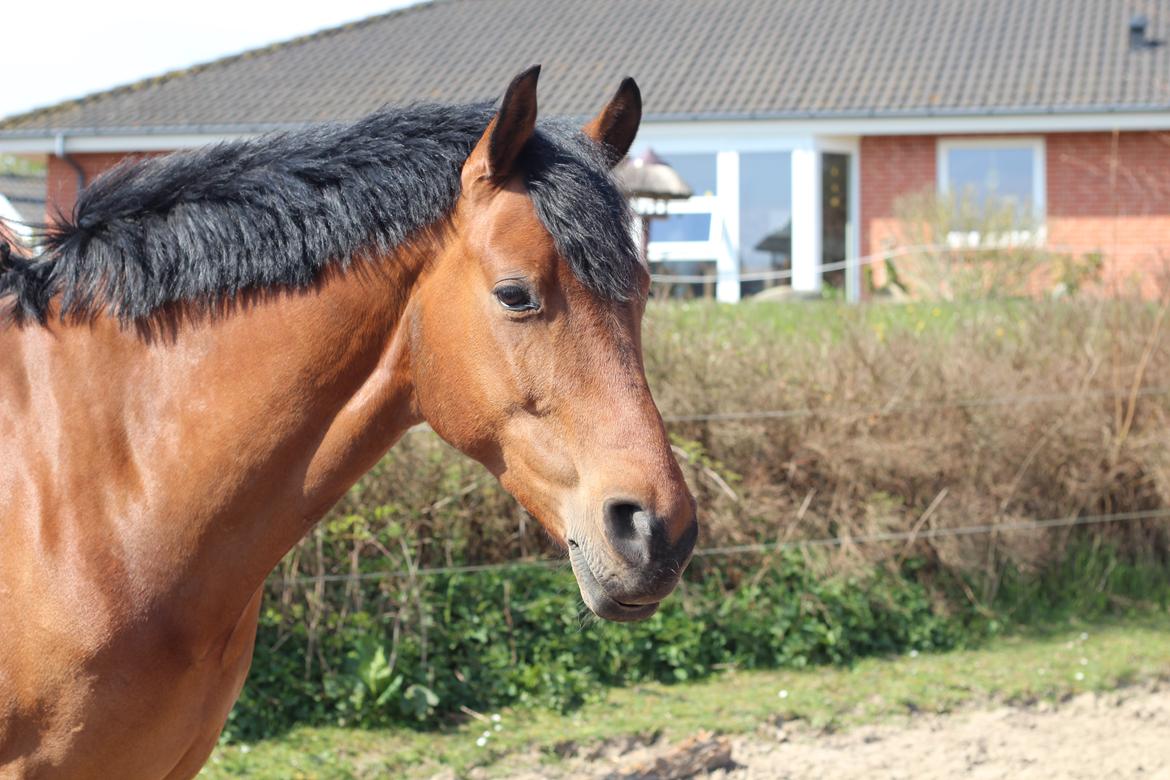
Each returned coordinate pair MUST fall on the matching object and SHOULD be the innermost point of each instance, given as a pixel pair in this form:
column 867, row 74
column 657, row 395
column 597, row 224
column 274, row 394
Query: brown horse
column 220, row 343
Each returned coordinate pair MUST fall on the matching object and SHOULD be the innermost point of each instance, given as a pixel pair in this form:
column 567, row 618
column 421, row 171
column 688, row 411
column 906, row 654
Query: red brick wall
column 892, row 166
column 61, row 178
column 1110, row 193
column 1106, row 192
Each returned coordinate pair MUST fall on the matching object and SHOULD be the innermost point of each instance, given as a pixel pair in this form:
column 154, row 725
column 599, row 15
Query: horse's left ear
column 494, row 157
column 617, row 124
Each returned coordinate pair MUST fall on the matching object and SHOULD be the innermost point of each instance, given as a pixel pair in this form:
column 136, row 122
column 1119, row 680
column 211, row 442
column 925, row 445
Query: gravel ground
column 1124, row 734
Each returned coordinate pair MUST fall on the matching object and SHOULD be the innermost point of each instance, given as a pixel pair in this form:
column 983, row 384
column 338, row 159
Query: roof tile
column 693, row 58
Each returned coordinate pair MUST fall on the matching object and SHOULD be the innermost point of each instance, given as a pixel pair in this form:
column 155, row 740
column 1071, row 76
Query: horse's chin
column 598, row 600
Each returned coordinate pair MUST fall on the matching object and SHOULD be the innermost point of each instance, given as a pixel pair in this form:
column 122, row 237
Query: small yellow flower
column 936, row 312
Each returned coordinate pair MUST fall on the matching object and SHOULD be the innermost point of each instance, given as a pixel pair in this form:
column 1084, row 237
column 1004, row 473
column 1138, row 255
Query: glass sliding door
column 683, row 242
column 765, row 217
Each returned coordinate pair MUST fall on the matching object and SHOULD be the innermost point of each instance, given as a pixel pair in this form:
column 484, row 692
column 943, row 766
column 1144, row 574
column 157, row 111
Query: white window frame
column 958, row 238
column 663, row 251
column 728, row 140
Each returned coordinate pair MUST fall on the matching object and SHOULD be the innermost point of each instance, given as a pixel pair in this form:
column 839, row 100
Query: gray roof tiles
column 692, row 58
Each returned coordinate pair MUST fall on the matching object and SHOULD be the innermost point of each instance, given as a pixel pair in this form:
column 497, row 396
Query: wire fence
column 913, row 406
column 894, row 406
column 1022, row 526
column 1016, row 399
column 777, row 275
column 888, row 255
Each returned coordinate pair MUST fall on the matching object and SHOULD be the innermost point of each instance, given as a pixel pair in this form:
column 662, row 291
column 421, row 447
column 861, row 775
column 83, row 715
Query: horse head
column 535, row 304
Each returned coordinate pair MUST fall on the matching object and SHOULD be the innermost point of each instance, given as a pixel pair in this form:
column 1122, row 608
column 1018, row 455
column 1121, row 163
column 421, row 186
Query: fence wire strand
column 961, row 403
column 894, row 253
column 744, row 549
column 1022, row 399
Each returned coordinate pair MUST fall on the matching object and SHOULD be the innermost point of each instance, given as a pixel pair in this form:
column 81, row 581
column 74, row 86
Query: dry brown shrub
column 956, row 249
column 893, row 418
column 1004, row 413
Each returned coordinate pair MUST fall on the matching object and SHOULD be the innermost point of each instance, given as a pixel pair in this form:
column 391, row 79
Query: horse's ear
column 617, row 124
column 495, row 154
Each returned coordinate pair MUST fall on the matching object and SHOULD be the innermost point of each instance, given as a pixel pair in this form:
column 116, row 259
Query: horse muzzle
column 628, row 575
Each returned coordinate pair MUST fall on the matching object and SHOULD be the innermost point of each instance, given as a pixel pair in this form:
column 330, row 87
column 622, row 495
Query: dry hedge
column 892, row 417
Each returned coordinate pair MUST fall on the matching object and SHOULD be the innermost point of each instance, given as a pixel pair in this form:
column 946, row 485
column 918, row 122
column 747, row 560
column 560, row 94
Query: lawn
column 1037, row 665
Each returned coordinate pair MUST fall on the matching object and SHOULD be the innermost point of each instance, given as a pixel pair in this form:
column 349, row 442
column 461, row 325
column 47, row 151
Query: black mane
column 207, row 225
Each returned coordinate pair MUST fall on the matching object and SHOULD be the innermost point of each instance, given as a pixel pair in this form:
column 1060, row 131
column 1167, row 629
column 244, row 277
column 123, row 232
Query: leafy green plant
column 484, row 652
column 372, row 681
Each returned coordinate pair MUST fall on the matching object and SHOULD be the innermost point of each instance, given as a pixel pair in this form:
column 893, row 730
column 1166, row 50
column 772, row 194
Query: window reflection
column 995, row 177
column 681, row 227
column 697, row 170
column 695, row 279
column 834, row 215
column 765, row 216
column 681, row 242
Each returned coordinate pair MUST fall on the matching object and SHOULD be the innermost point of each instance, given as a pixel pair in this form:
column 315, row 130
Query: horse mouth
column 601, row 603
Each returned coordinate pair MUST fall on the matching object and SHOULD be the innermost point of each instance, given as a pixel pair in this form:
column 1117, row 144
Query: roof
column 26, row 193
column 692, row 58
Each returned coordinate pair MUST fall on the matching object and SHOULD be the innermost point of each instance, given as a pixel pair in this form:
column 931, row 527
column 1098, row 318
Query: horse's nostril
column 621, row 519
column 631, row 530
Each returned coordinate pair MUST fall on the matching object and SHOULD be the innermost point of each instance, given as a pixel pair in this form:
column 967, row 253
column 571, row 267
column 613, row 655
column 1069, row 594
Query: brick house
column 800, row 125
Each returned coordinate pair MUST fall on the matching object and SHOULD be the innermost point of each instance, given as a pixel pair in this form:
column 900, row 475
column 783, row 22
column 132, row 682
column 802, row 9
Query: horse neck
column 199, row 459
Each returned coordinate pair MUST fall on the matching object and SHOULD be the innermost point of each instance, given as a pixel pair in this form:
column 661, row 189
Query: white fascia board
column 145, row 142
column 682, row 135
column 750, row 133
column 739, row 136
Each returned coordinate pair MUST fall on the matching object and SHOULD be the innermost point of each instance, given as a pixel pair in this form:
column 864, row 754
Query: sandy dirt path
column 1117, row 735
column 1124, row 734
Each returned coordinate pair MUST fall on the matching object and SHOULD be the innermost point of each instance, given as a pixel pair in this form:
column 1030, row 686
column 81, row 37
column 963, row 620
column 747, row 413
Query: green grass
column 1038, row 665
column 750, row 321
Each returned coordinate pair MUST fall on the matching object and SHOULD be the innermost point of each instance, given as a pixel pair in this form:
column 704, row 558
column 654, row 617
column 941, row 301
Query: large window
column 993, row 180
column 765, row 215
column 761, row 205
column 687, row 232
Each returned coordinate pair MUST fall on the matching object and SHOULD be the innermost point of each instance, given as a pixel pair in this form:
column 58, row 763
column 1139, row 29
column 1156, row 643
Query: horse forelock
column 207, row 225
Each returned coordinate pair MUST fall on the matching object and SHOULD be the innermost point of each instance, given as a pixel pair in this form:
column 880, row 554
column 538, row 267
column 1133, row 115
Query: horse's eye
column 514, row 297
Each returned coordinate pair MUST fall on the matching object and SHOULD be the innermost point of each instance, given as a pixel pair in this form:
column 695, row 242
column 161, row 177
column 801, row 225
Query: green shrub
column 490, row 639
column 500, row 638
